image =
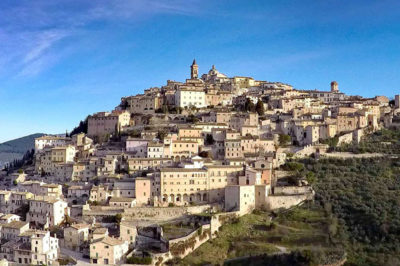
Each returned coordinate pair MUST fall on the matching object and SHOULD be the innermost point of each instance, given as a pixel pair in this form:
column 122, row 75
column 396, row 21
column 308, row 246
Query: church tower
column 194, row 70
column 334, row 86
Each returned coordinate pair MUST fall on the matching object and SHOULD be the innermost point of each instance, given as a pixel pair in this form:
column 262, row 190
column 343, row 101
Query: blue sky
column 61, row 60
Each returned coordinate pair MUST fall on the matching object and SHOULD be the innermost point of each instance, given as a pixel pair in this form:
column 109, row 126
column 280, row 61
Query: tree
column 192, row 119
column 284, row 139
column 135, row 133
column 249, row 105
column 260, row 107
column 118, row 218
column 205, row 154
column 81, row 128
column 209, row 139
column 161, row 134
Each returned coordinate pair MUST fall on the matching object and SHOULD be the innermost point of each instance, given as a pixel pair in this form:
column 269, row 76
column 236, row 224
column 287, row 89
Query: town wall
column 154, row 213
column 292, row 190
column 346, row 138
column 286, row 201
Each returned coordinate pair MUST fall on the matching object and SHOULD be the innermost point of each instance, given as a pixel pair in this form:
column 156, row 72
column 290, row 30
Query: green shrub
column 139, row 260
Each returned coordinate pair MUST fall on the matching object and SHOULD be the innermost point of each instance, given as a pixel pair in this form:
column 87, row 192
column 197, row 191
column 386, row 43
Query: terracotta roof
column 110, row 241
column 80, row 226
column 100, row 230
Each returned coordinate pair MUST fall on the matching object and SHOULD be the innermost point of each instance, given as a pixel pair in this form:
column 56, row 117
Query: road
column 77, row 256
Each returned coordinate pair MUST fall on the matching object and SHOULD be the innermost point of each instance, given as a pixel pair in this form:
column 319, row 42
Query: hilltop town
column 157, row 177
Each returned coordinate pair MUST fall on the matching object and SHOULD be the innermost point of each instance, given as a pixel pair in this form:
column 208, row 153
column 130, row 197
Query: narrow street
column 77, row 256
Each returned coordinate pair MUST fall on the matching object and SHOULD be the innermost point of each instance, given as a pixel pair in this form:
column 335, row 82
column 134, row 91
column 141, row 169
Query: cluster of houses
column 212, row 139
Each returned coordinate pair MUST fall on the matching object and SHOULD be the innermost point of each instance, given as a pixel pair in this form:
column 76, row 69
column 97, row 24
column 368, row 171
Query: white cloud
column 44, row 41
column 29, row 30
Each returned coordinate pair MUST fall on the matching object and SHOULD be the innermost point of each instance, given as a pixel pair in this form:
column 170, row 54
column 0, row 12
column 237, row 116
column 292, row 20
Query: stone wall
column 163, row 213
column 310, row 149
column 281, row 174
column 292, row 190
column 286, row 201
column 153, row 213
column 220, row 219
column 183, row 246
column 346, row 138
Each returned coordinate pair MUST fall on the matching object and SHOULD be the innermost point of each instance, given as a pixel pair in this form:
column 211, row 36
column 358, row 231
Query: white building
column 187, row 97
column 155, row 150
column 240, row 198
column 49, row 141
column 108, row 250
column 47, row 211
column 36, row 247
column 75, row 236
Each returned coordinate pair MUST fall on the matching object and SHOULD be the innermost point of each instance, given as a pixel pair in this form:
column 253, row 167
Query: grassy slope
column 303, row 228
column 357, row 207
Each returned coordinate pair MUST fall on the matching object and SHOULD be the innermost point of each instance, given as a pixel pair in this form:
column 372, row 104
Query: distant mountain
column 15, row 149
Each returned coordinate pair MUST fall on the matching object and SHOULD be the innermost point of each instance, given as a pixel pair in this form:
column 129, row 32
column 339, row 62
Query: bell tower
column 194, row 70
column 334, row 86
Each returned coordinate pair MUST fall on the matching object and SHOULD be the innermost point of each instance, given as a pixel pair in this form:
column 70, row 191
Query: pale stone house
column 190, row 96
column 100, row 193
column 155, row 150
column 38, row 248
column 128, row 232
column 76, row 235
column 104, row 123
column 233, row 148
column 143, row 103
column 122, row 202
column 181, row 149
column 250, row 177
column 220, row 176
column 137, row 147
column 63, row 154
column 42, row 189
column 240, row 198
column 8, row 218
column 108, row 250
column 13, row 229
column 182, row 186
column 50, row 141
column 99, row 233
column 11, row 201
column 149, row 163
column 79, row 192
column 47, row 211
column 143, row 191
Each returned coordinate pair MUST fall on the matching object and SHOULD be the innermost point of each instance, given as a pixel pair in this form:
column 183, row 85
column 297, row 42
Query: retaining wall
column 286, row 201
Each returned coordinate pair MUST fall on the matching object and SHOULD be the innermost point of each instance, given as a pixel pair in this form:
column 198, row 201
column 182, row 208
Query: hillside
column 356, row 210
column 15, row 149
